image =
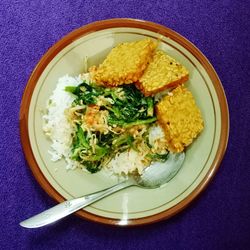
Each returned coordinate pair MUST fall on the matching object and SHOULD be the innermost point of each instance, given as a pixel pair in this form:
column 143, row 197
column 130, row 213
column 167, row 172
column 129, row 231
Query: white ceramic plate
column 133, row 206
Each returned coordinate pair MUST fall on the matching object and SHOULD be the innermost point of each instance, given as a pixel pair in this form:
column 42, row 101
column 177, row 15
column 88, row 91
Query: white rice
column 155, row 133
column 59, row 130
column 56, row 125
column 126, row 162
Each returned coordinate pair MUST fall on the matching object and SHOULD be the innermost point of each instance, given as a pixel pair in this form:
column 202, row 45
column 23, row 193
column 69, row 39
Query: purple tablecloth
column 220, row 217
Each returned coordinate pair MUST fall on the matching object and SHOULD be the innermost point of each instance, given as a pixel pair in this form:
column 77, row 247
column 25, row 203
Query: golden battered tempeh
column 125, row 63
column 163, row 72
column 180, row 118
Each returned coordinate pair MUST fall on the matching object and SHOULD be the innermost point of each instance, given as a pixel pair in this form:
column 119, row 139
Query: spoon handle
column 68, row 207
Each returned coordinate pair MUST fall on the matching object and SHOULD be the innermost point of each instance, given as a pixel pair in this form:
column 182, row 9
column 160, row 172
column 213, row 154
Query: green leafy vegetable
column 158, row 157
column 126, row 108
column 134, row 108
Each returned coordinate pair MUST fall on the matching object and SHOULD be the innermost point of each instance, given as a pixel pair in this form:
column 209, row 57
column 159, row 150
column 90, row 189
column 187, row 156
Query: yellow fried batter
column 180, row 118
column 125, row 63
column 162, row 72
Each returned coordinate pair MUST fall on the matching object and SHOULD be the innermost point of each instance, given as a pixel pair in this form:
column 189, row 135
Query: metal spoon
column 153, row 176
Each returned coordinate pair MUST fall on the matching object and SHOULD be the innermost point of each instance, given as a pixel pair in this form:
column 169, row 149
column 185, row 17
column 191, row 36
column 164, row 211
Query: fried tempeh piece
column 180, row 118
column 125, row 63
column 163, row 72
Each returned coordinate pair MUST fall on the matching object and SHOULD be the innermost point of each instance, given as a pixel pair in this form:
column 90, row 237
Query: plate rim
column 129, row 23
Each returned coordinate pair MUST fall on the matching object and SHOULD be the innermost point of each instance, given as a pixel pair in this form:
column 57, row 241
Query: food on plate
column 162, row 72
column 110, row 118
column 125, row 63
column 56, row 126
column 180, row 118
column 109, row 121
column 99, row 127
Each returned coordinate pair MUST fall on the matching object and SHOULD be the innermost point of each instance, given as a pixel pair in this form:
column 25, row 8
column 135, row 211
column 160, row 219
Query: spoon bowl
column 154, row 176
column 159, row 173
